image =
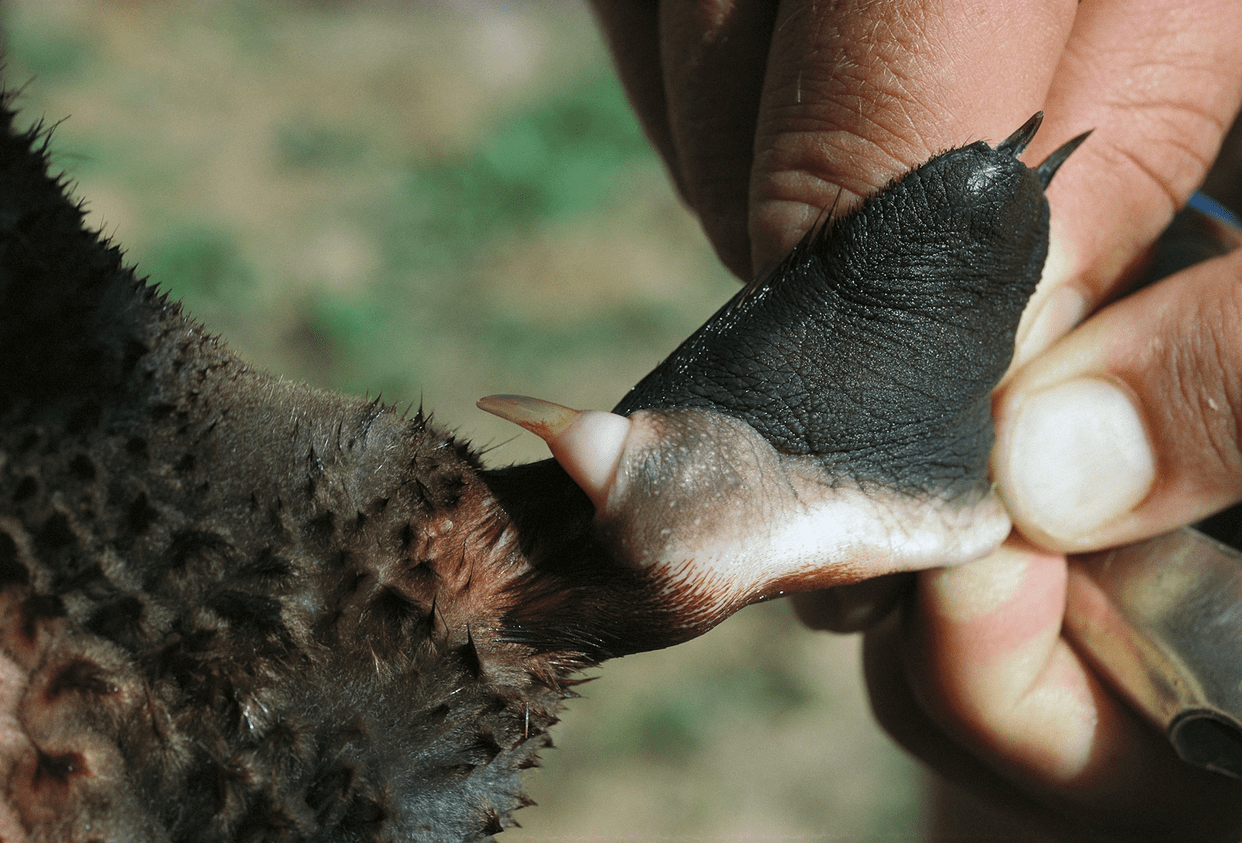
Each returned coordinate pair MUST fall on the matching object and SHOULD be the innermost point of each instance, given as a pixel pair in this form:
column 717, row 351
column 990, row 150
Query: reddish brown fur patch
column 13, row 742
column 43, row 785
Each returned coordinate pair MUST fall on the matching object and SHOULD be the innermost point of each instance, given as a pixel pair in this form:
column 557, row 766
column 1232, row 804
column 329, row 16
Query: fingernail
column 1056, row 307
column 1055, row 316
column 1077, row 457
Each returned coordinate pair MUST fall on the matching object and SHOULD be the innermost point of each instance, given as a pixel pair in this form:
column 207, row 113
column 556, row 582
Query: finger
column 983, row 673
column 1160, row 82
column 1130, row 425
column 713, row 56
column 985, row 661
column 902, row 716
column 632, row 31
column 854, row 607
column 857, row 92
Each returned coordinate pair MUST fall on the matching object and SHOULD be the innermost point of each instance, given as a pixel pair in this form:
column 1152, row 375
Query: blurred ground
column 438, row 202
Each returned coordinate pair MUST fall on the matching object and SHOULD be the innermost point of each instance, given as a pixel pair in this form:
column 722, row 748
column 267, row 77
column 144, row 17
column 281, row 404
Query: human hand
column 1124, row 429
column 1001, row 676
column 765, row 113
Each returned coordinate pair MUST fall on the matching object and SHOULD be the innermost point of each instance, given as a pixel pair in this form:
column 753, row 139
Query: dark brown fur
column 236, row 608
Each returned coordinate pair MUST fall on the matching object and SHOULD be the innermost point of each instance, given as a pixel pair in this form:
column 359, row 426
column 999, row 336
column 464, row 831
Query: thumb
column 1129, row 426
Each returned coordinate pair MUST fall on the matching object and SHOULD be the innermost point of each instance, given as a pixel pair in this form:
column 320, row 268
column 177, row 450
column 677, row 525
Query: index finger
column 858, row 92
column 1160, row 82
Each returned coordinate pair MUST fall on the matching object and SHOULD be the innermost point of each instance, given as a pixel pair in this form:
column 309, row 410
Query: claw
column 586, row 443
column 545, row 419
column 1048, row 168
column 1016, row 143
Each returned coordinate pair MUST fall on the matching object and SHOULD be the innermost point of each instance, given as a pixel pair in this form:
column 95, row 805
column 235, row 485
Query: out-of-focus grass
column 547, row 163
column 437, row 204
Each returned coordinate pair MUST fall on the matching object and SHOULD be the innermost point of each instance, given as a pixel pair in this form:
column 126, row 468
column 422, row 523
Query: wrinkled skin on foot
column 832, row 422
column 236, row 608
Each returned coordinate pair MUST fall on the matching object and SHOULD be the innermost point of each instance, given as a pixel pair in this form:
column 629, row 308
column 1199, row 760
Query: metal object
column 1162, row 621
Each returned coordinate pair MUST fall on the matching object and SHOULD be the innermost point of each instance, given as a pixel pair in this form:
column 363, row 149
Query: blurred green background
column 439, row 202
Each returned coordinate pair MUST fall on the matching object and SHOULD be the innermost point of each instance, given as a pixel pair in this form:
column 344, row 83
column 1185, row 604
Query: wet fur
column 243, row 608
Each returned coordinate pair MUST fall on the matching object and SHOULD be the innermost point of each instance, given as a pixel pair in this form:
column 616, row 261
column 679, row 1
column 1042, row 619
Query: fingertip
column 1073, row 458
column 1126, row 428
column 978, row 588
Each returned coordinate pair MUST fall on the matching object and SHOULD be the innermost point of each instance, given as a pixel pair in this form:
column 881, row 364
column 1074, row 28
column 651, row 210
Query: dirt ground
column 439, row 202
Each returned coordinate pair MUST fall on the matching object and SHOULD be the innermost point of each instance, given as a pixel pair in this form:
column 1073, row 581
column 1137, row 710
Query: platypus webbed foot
column 832, row 421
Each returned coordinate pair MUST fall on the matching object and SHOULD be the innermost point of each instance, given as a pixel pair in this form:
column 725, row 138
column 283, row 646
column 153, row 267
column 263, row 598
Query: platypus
column 235, row 608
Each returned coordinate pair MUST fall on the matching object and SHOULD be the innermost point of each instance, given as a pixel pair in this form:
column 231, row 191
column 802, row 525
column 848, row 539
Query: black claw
column 1017, row 142
column 1053, row 162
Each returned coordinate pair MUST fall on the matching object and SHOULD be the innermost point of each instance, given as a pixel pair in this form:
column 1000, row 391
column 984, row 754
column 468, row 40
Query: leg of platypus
column 236, row 608
column 833, row 420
